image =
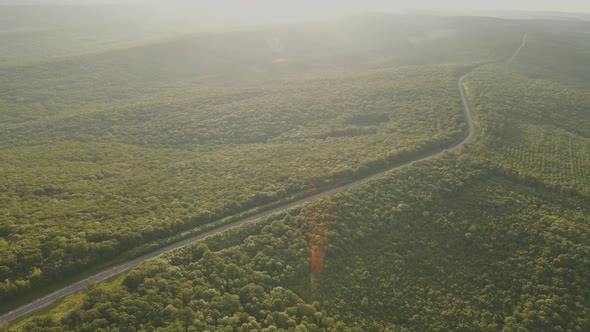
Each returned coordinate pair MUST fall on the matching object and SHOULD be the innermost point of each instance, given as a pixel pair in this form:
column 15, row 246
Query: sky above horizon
column 339, row 6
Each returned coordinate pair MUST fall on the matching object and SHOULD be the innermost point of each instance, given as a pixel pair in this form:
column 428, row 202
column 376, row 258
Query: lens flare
column 320, row 220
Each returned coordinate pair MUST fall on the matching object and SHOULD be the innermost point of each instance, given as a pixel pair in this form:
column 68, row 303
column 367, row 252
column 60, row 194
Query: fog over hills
column 289, row 165
column 303, row 7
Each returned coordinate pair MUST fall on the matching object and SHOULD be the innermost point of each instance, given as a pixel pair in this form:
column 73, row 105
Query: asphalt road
column 111, row 272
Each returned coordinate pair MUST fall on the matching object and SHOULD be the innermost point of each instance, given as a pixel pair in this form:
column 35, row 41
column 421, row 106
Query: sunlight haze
column 308, row 7
column 294, row 165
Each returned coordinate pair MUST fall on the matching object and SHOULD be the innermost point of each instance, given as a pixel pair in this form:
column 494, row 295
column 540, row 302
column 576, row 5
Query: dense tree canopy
column 109, row 185
column 491, row 237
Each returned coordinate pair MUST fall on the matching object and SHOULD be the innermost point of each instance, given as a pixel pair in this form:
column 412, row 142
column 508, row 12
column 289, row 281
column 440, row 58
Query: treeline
column 84, row 188
column 442, row 245
column 405, row 100
column 234, row 284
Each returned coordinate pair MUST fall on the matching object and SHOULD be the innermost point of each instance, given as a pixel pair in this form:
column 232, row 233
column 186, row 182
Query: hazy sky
column 291, row 7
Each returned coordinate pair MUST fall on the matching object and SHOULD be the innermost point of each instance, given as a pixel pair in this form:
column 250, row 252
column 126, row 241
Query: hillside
column 107, row 152
column 42, row 33
column 112, row 151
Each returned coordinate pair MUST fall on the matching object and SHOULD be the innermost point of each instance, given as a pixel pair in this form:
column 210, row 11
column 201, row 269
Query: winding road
column 524, row 37
column 113, row 271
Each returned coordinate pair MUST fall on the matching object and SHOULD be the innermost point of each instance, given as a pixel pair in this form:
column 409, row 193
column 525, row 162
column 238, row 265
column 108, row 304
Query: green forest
column 131, row 149
column 108, row 155
column 103, row 192
column 443, row 245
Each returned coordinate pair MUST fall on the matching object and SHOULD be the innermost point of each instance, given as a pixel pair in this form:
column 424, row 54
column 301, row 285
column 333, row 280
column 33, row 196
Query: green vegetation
column 558, row 51
column 106, row 152
column 491, row 237
column 535, row 128
column 492, row 255
column 438, row 246
column 103, row 192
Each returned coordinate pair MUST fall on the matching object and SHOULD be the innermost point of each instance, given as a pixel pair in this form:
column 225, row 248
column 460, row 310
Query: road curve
column 113, row 271
column 515, row 54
